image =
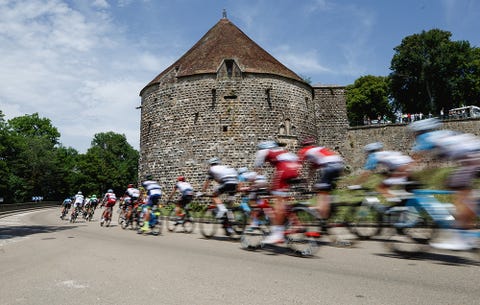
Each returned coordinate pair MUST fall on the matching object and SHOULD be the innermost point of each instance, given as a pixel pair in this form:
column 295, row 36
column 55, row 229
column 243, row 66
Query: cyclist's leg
column 325, row 184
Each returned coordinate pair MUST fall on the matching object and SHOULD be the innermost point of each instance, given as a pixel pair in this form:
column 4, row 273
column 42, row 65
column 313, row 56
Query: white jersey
column 79, row 199
column 133, row 192
column 222, row 174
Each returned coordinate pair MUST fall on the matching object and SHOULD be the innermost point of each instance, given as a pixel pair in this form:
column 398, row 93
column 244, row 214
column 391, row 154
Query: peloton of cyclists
column 286, row 167
column 330, row 166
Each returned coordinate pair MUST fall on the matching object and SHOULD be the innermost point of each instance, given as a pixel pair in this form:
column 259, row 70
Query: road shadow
column 26, row 230
column 437, row 258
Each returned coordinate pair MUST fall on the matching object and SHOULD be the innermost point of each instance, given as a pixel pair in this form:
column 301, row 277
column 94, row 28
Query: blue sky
column 83, row 63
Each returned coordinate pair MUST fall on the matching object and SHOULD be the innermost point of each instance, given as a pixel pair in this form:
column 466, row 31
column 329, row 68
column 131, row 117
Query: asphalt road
column 44, row 260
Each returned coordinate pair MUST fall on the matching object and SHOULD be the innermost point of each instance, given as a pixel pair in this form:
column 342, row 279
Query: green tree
column 368, row 98
column 110, row 162
column 31, row 156
column 4, row 169
column 431, row 72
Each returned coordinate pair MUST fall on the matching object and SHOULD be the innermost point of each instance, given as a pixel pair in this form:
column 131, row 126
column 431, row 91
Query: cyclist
column 94, row 202
column 66, row 204
column 464, row 149
column 109, row 201
column 396, row 167
column 154, row 193
column 186, row 195
column 251, row 185
column 86, row 207
column 78, row 202
column 286, row 167
column 330, row 166
column 130, row 198
column 227, row 179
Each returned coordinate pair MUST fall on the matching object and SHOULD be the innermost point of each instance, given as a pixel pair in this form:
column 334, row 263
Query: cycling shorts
column 229, row 188
column 184, row 200
column 153, row 199
column 328, row 176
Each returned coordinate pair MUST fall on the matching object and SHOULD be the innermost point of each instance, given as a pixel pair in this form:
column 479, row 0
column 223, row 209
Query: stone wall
column 331, row 115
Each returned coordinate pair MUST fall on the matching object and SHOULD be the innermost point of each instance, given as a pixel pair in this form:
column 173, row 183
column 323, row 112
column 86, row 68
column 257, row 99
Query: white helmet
column 425, row 125
column 267, row 144
column 373, row 147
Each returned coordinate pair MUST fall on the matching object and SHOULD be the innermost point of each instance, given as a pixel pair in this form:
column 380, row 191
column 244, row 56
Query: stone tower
column 221, row 98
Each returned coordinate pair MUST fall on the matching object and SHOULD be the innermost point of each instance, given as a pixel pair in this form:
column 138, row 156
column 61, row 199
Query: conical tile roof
column 226, row 41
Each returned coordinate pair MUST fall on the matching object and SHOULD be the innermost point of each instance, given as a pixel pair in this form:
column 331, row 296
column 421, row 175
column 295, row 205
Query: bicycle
column 89, row 214
column 420, row 222
column 155, row 222
column 233, row 221
column 64, row 213
column 122, row 211
column 74, row 215
column 107, row 216
column 185, row 219
column 370, row 216
column 302, row 226
column 132, row 220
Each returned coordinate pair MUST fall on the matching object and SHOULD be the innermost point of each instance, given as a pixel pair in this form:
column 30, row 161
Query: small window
column 269, row 101
column 225, row 128
column 214, row 97
column 229, row 66
column 195, row 120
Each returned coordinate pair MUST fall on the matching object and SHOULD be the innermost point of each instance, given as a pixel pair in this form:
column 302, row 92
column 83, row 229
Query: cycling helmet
column 373, row 147
column 94, row 196
column 308, row 141
column 130, row 185
column 214, row 160
column 109, row 191
column 425, row 125
column 181, row 178
column 79, row 193
column 242, row 170
column 148, row 177
column 267, row 144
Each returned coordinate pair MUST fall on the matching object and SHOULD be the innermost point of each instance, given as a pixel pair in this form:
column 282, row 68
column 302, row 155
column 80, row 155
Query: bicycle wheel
column 108, row 219
column 302, row 231
column 409, row 232
column 238, row 220
column 365, row 222
column 157, row 225
column 188, row 223
column 208, row 223
column 156, row 229
column 171, row 221
column 121, row 216
column 252, row 237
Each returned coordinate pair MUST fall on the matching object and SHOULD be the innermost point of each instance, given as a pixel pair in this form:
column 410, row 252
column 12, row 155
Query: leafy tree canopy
column 367, row 98
column 431, row 72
